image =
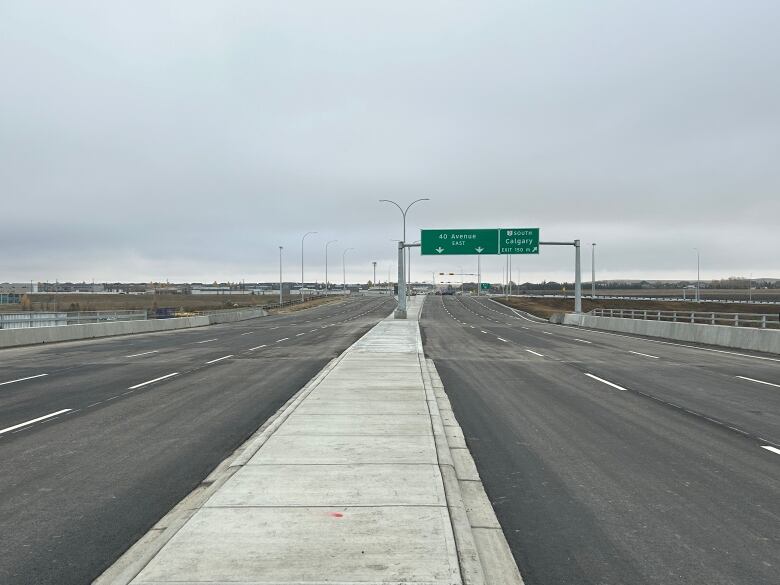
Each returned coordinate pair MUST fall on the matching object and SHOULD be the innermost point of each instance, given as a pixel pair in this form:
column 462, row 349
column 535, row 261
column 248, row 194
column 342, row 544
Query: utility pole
column 280, row 275
column 577, row 279
column 593, row 271
column 326, row 264
column 344, row 268
column 302, row 239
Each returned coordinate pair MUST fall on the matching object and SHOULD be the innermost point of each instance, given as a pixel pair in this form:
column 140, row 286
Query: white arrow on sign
column 479, row 250
column 440, row 249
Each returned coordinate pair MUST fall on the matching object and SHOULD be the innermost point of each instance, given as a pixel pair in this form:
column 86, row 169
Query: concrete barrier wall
column 233, row 316
column 37, row 335
column 766, row 340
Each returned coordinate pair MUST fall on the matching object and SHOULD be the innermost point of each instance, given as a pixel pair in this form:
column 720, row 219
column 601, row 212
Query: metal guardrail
column 62, row 318
column 760, row 320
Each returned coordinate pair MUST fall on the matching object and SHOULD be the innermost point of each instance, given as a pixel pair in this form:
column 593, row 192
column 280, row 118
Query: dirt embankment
column 98, row 302
column 546, row 307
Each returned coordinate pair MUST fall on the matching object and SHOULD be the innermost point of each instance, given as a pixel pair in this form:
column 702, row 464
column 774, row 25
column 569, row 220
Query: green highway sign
column 485, row 286
column 480, row 241
column 446, row 242
column 518, row 241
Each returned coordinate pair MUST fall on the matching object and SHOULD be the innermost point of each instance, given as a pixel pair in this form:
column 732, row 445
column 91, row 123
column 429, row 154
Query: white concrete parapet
column 765, row 340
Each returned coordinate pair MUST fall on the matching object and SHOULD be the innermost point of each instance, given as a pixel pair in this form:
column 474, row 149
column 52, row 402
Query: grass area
column 546, row 307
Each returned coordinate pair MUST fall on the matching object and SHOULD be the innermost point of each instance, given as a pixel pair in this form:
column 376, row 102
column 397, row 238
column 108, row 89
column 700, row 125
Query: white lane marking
column 607, row 382
column 33, row 421
column 472, row 326
column 483, row 331
column 770, row 448
column 258, row 347
column 248, row 333
column 224, row 357
column 759, row 381
column 546, row 332
column 140, row 354
column 282, row 339
column 299, row 334
column 502, row 339
column 23, row 379
column 277, row 327
column 655, row 357
column 312, row 331
column 206, row 340
column 524, row 327
column 582, row 340
column 142, row 384
column 533, row 352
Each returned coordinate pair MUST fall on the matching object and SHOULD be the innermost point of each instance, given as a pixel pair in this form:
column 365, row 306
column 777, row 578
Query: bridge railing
column 760, row 320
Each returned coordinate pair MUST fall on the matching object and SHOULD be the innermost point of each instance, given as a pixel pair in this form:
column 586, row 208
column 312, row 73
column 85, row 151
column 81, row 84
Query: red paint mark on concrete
column 336, row 514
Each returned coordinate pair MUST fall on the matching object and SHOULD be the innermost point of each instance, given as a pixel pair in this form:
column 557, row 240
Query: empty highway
column 99, row 439
column 612, row 459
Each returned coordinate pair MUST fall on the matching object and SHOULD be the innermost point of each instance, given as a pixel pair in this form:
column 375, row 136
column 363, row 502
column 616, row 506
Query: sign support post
column 400, row 312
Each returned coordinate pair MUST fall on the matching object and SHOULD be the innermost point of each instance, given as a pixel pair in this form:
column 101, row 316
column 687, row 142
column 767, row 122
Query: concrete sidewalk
column 349, row 484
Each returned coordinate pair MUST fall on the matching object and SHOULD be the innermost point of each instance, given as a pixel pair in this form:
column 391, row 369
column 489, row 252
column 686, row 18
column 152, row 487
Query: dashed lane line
column 770, row 448
column 759, row 381
column 655, row 357
column 143, row 353
column 254, row 348
column 142, row 384
column 502, row 339
column 224, row 357
column 534, row 352
column 206, row 340
column 282, row 339
column 35, row 420
column 607, row 382
column 23, row 379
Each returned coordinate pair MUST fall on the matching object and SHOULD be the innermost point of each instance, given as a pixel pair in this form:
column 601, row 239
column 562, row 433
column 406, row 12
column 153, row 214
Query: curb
column 483, row 551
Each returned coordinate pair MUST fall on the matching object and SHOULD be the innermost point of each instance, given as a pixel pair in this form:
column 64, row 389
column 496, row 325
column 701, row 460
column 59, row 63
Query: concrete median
column 764, row 340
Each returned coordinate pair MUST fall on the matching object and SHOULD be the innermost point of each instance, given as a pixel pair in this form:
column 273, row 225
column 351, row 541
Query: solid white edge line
column 152, row 381
column 607, row 382
column 759, row 381
column 770, row 448
column 655, row 357
column 258, row 347
column 533, row 352
column 144, row 353
column 23, row 379
column 220, row 359
column 35, row 420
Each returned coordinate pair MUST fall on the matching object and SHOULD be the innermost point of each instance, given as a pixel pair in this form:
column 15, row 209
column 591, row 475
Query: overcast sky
column 188, row 140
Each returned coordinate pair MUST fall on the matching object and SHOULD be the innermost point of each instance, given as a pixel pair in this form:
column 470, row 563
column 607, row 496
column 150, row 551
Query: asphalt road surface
column 99, row 439
column 612, row 459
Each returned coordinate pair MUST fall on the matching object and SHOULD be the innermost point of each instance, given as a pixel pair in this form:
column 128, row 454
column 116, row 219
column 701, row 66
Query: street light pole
column 326, row 264
column 593, row 271
column 374, row 281
column 698, row 276
column 344, row 268
column 280, row 275
column 402, row 255
column 302, row 239
column 577, row 279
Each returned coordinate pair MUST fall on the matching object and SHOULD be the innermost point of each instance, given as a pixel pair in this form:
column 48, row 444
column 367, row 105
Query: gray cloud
column 188, row 140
